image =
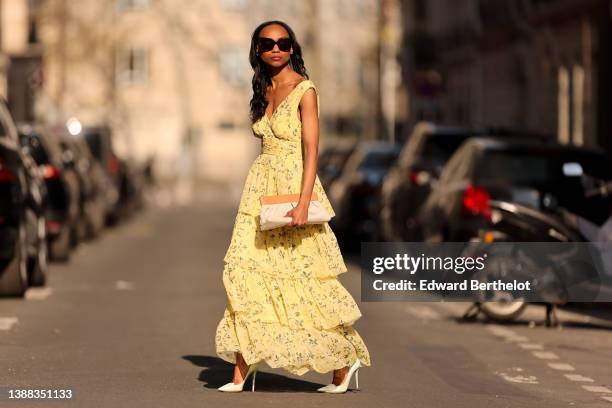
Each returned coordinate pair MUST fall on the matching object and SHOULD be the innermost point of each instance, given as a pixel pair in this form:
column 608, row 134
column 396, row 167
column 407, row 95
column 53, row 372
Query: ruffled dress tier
column 285, row 304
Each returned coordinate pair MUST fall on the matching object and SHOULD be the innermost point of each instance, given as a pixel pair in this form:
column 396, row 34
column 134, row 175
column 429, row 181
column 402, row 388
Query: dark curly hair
column 261, row 78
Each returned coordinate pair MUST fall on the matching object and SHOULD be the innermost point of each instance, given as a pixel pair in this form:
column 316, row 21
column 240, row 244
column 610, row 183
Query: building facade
column 533, row 64
column 173, row 78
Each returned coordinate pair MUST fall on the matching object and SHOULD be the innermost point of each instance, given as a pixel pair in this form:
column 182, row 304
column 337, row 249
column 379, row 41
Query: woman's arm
column 310, row 139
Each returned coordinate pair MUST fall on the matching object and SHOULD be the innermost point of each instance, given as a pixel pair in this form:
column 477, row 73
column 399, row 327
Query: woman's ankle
column 240, row 368
column 339, row 375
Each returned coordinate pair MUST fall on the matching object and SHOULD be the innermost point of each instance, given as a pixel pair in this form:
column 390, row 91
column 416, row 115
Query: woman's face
column 274, row 57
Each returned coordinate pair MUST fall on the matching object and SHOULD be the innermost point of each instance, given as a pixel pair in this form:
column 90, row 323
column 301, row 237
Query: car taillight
column 53, row 226
column 6, row 175
column 49, row 172
column 113, row 165
column 476, row 201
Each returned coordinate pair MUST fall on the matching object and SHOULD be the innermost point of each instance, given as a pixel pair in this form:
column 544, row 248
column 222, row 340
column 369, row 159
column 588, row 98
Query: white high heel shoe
column 233, row 387
column 343, row 387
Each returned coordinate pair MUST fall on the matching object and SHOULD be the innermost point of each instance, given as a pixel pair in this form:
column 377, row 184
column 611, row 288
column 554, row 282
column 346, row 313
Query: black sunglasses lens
column 266, row 44
column 284, row 44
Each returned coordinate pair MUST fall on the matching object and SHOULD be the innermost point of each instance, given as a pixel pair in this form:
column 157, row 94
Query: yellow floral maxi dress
column 285, row 305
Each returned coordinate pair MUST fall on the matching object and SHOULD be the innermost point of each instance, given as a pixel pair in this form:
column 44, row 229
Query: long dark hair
column 261, row 78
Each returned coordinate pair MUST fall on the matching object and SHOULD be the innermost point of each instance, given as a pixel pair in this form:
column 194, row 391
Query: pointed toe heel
column 343, row 387
column 233, row 387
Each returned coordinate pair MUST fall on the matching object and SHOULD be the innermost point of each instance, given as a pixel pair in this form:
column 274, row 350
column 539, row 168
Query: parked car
column 93, row 183
column 355, row 195
column 534, row 193
column 424, row 155
column 133, row 184
column 62, row 185
column 23, row 247
column 409, row 181
column 332, row 160
column 486, row 171
column 99, row 140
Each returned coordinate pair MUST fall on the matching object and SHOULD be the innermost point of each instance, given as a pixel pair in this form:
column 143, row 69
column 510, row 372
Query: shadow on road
column 218, row 372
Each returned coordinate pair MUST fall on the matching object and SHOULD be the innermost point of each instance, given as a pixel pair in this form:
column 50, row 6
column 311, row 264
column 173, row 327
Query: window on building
column 33, row 32
column 127, row 5
column 132, row 66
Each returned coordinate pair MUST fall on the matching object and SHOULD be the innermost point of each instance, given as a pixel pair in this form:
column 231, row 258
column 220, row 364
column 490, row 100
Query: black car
column 355, row 195
column 409, row 181
column 533, row 174
column 62, row 184
column 332, row 159
column 93, row 184
column 100, row 142
column 132, row 187
column 23, row 246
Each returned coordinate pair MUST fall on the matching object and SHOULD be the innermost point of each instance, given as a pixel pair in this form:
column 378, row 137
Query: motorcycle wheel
column 503, row 309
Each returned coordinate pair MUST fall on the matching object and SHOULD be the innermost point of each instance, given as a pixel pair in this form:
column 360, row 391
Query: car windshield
column 440, row 147
column 94, row 140
column 379, row 159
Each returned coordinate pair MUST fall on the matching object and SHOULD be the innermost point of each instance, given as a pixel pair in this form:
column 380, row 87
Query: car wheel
column 38, row 274
column 14, row 279
column 59, row 248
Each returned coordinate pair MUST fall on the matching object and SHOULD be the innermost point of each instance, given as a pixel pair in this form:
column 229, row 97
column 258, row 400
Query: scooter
column 512, row 222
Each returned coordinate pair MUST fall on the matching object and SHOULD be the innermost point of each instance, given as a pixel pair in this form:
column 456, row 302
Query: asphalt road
column 130, row 322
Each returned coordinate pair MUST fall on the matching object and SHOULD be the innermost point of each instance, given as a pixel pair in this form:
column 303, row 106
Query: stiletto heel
column 343, row 387
column 232, row 387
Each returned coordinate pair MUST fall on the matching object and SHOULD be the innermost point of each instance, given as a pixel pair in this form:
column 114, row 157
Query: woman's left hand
column 299, row 215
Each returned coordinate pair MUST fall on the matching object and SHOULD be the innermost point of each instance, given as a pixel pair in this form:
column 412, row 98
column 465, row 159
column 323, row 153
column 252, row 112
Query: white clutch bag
column 274, row 208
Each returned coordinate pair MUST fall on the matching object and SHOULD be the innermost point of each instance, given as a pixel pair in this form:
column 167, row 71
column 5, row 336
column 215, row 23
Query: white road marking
column 518, row 339
column 538, row 352
column 521, row 379
column 561, row 366
column 38, row 293
column 423, row 312
column 597, row 388
column 6, row 323
column 545, row 355
column 578, row 378
column 531, row 346
column 124, row 285
column 501, row 331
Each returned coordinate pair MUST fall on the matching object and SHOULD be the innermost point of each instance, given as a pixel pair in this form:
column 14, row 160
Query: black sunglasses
column 267, row 44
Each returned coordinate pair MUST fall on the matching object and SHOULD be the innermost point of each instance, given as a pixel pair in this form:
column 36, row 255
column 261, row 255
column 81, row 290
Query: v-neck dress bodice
column 279, row 167
column 285, row 304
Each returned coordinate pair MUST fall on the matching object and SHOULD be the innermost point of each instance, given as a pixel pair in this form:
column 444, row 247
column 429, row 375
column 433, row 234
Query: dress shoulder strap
column 304, row 86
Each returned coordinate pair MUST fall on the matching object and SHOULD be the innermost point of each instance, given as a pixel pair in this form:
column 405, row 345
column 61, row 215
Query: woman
column 285, row 305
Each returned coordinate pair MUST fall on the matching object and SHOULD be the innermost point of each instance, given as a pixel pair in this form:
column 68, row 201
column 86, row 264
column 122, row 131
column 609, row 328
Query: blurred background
column 171, row 80
column 441, row 121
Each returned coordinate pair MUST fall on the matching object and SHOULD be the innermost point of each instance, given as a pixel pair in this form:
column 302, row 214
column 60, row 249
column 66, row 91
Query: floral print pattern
column 285, row 304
